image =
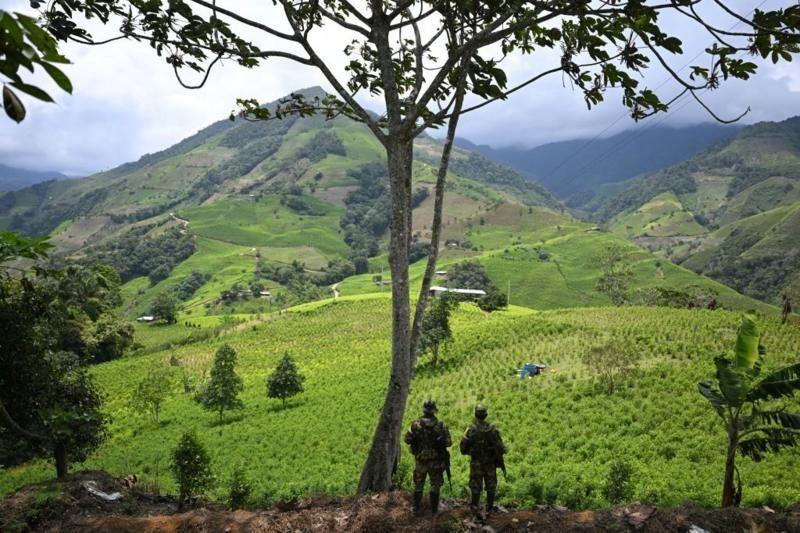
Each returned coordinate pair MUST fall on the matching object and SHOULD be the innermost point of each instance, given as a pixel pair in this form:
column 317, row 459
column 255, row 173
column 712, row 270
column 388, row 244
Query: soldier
column 482, row 442
column 429, row 439
column 786, row 310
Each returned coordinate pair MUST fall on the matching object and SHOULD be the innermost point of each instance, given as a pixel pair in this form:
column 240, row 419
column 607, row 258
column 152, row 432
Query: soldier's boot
column 434, row 502
column 489, row 501
column 417, row 503
column 476, row 500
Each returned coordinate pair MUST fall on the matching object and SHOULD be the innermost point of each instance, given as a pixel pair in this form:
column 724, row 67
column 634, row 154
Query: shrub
column 618, row 487
column 191, row 467
column 239, row 489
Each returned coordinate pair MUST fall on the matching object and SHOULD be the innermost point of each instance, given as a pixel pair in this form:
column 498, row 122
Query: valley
column 271, row 237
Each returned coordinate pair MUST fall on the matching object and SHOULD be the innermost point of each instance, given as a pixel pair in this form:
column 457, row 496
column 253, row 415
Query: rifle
column 501, row 464
column 447, row 469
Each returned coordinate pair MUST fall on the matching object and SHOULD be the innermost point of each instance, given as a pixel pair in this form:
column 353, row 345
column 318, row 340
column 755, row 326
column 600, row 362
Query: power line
column 624, row 115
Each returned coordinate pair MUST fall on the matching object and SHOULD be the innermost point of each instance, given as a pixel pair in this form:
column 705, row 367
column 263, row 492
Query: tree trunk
column 376, row 475
column 60, row 454
column 728, row 487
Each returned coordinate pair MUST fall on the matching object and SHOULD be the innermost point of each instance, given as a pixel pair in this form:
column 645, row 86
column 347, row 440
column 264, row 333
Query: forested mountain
column 573, row 169
column 730, row 212
column 12, row 178
column 289, row 207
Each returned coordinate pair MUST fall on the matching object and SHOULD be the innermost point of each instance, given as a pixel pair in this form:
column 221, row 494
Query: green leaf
column 713, row 396
column 774, row 440
column 780, row 384
column 731, row 382
column 781, row 418
column 59, row 77
column 33, row 91
column 14, row 108
column 747, row 341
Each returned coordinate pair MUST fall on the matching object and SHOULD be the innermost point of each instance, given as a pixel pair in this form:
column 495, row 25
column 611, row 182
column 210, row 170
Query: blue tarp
column 531, row 370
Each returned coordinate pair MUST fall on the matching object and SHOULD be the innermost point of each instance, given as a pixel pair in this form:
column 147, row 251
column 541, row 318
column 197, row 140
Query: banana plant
column 751, row 406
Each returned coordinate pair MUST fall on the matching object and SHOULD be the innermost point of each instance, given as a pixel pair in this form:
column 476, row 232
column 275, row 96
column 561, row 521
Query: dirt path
column 74, row 509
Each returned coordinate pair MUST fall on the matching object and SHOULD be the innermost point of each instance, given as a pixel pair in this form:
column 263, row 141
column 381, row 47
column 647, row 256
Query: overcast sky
column 127, row 103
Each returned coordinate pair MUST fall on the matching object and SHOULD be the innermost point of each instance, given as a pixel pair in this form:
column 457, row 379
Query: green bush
column 618, row 487
column 191, row 467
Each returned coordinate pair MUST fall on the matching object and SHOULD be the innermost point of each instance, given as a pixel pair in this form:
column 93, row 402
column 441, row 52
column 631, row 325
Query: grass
column 562, row 429
column 662, row 216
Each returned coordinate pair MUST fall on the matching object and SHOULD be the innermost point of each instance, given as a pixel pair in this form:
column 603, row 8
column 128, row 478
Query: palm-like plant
column 755, row 420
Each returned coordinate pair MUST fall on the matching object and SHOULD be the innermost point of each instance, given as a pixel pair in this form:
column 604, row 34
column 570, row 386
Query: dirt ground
column 70, row 507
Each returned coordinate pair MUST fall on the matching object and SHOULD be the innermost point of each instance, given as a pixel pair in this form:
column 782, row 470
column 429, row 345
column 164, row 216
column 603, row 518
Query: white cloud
column 127, row 103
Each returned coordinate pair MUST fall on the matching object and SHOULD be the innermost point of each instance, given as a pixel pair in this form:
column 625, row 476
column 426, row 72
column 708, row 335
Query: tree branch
column 11, row 424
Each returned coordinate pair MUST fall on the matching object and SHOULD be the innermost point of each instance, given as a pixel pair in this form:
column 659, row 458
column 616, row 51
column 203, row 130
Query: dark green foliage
column 107, row 338
column 493, row 300
column 191, row 467
column 368, row 211
column 134, row 255
column 418, row 250
column 189, row 285
column 337, row 270
column 286, row 381
column 301, row 205
column 164, row 308
column 239, row 489
column 418, row 197
column 161, row 272
column 618, row 487
column 469, row 275
column 44, row 384
column 27, row 46
column 13, row 246
column 151, row 392
column 749, row 405
column 300, row 285
column 436, row 331
column 761, row 275
column 221, row 393
column 691, row 297
column 325, row 142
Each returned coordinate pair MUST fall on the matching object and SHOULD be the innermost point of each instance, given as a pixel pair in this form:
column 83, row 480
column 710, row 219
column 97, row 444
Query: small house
column 146, row 318
column 469, row 294
column 264, row 294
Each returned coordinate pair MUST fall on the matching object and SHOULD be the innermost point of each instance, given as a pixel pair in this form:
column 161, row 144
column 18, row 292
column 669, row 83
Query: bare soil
column 70, row 507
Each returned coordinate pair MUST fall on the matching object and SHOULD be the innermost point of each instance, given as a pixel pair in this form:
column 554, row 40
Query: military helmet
column 429, row 407
column 481, row 411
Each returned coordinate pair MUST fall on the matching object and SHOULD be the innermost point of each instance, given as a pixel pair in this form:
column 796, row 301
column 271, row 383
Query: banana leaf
column 713, row 396
column 773, row 440
column 780, row 417
column 780, row 384
column 732, row 382
column 747, row 341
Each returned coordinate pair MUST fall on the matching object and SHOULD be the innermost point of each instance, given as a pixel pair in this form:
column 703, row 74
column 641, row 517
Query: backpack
column 483, row 443
column 426, row 444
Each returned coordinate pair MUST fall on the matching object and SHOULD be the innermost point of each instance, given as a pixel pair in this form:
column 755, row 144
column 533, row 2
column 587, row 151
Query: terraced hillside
column 563, row 429
column 728, row 213
column 291, row 207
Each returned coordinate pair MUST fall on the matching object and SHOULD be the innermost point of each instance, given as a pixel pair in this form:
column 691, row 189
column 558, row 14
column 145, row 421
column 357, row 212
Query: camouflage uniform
column 429, row 439
column 483, row 443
